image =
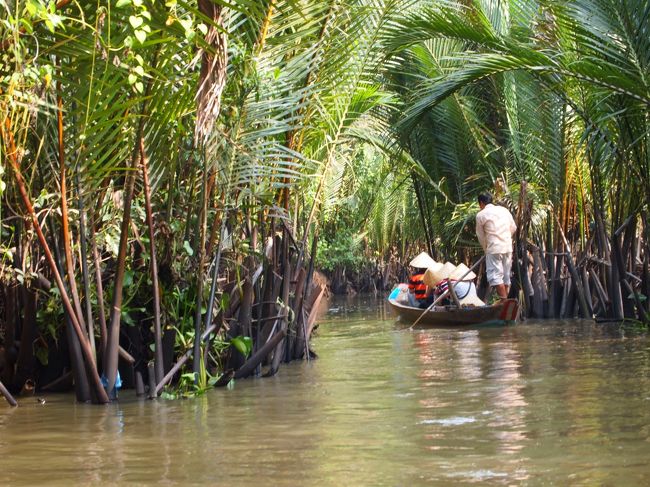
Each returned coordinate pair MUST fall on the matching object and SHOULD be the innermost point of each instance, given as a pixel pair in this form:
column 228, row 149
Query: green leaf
column 135, row 21
column 127, row 318
column 243, row 344
column 42, row 355
column 132, row 78
column 122, row 3
column 33, row 7
column 188, row 248
column 141, row 35
column 128, row 278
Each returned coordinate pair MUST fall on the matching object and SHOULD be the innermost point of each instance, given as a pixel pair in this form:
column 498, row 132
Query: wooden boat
column 451, row 316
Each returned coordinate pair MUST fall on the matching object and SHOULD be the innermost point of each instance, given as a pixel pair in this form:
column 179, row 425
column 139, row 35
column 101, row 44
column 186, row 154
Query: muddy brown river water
column 540, row 403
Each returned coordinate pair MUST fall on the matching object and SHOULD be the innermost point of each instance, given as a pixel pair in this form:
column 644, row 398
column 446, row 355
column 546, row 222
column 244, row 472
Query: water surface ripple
column 541, row 403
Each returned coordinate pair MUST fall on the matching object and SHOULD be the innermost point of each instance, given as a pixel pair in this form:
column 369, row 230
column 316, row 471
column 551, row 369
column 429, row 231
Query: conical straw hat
column 442, row 272
column 423, row 261
column 460, row 271
column 429, row 278
column 471, row 298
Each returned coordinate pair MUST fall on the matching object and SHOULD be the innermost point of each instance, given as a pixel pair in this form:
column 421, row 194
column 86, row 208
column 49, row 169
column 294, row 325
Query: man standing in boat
column 495, row 228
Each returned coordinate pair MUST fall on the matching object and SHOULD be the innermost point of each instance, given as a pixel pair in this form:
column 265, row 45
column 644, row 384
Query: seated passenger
column 466, row 289
column 420, row 295
column 438, row 278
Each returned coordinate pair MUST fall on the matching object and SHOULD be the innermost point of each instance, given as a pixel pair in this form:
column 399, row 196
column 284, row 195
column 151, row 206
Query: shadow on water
column 543, row 402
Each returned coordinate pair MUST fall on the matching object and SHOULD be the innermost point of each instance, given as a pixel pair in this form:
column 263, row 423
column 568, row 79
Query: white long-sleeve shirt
column 495, row 228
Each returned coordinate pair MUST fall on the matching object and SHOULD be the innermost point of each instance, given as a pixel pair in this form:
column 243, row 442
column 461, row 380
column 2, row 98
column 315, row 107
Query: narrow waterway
column 564, row 403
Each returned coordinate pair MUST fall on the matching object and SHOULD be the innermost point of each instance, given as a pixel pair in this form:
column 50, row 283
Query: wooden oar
column 446, row 293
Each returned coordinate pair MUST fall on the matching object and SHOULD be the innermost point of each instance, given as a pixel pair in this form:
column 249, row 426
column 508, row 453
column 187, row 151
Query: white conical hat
column 423, row 261
column 429, row 275
column 442, row 272
column 460, row 271
column 471, row 298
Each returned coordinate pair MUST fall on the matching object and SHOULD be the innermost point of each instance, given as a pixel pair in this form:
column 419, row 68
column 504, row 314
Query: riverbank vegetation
column 173, row 172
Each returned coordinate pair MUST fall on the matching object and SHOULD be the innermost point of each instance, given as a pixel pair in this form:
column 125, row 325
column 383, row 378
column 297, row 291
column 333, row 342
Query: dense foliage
column 151, row 151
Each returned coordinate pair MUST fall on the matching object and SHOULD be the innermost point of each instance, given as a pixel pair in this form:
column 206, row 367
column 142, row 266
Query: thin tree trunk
column 103, row 333
column 249, row 366
column 284, row 323
column 423, row 218
column 12, row 312
column 81, row 386
column 585, row 311
column 113, row 337
column 158, row 356
column 67, row 247
column 199, row 284
column 84, row 268
column 25, row 365
column 85, row 346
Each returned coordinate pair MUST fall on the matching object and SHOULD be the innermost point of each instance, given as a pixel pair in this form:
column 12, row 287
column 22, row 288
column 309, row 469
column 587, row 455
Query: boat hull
column 495, row 315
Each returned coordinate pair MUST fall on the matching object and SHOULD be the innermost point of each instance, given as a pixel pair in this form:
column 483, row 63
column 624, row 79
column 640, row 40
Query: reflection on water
column 538, row 403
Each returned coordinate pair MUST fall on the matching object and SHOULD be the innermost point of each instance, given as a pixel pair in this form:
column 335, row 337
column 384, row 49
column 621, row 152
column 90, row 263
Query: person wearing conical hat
column 494, row 229
column 460, row 277
column 465, row 287
column 438, row 278
column 420, row 294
